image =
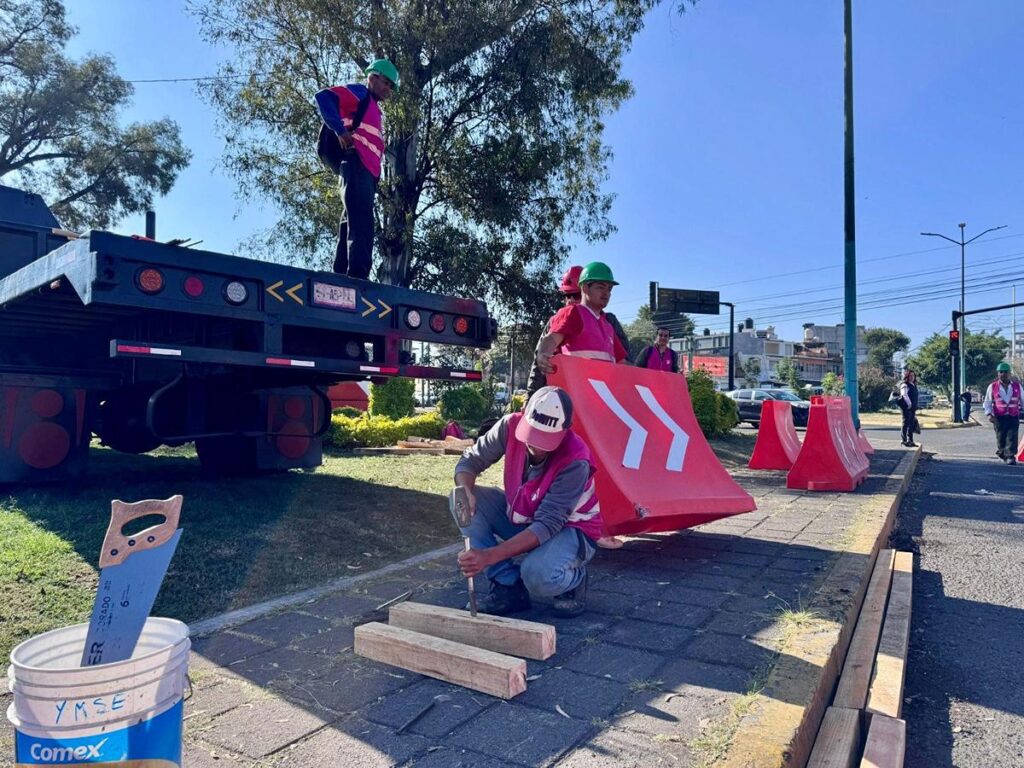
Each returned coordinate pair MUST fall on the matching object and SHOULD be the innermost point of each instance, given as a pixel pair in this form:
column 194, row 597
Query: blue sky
column 728, row 166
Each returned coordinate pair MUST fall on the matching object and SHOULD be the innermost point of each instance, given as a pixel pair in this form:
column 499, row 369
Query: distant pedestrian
column 965, row 406
column 658, row 355
column 1002, row 406
column 908, row 403
column 352, row 144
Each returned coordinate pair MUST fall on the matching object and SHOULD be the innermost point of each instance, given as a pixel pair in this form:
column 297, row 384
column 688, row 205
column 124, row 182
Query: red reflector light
column 194, row 287
column 150, row 280
column 461, row 326
column 437, row 323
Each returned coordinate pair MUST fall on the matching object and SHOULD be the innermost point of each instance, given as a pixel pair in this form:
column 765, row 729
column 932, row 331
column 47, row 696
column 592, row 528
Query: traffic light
column 954, row 343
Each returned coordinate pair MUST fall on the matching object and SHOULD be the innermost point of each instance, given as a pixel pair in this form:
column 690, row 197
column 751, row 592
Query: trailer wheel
column 232, row 455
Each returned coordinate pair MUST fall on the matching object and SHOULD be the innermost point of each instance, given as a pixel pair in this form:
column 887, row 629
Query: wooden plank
column 838, row 742
column 887, row 743
column 481, row 670
column 886, row 694
column 527, row 639
column 855, row 680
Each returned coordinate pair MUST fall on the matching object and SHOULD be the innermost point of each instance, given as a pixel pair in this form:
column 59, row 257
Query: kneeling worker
column 547, row 512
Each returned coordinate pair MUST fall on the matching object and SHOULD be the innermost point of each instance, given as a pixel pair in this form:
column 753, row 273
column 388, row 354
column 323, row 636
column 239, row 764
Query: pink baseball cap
column 547, row 419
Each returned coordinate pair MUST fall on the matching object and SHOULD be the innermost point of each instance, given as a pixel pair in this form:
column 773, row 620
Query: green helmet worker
column 597, row 271
column 1002, row 406
column 596, row 282
column 351, row 144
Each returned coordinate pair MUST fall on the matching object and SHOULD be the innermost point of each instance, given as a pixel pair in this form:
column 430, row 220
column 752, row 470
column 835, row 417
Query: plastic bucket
column 110, row 714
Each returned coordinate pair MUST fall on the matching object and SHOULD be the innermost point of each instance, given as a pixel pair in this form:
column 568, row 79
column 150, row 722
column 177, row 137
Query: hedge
column 394, row 399
column 716, row 413
column 379, row 431
column 465, row 404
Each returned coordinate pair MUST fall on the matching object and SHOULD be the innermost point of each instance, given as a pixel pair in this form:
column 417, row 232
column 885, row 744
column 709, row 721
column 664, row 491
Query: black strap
column 357, row 118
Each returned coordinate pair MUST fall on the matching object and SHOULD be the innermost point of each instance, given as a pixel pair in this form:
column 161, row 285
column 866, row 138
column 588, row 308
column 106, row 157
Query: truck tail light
column 461, row 326
column 235, row 292
column 150, row 280
column 438, row 323
column 193, row 286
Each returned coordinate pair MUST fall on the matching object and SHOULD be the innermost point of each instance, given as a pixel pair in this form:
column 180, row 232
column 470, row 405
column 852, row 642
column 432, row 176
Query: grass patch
column 245, row 539
column 639, row 686
column 713, row 743
column 733, row 449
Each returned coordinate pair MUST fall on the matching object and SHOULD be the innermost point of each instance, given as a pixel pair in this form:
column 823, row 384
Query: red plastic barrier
column 862, row 441
column 1020, row 456
column 349, row 393
column 777, row 444
column 829, row 459
column 656, row 472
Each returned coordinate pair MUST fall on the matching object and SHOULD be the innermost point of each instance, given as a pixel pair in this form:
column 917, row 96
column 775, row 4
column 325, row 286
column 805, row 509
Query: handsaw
column 133, row 569
column 458, row 505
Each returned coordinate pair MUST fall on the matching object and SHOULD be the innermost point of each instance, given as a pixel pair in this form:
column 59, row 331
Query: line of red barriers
column 833, row 456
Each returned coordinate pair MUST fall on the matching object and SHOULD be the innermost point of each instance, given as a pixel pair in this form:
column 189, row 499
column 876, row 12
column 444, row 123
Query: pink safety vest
column 659, row 362
column 524, row 496
column 595, row 341
column 369, row 138
column 1011, row 408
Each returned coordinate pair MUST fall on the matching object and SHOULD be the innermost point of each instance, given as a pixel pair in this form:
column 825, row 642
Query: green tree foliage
column 832, row 384
column 716, row 414
column 883, row 344
column 494, row 138
column 466, row 404
column 873, row 387
column 394, row 398
column 59, row 131
column 786, row 372
column 982, row 353
column 751, row 372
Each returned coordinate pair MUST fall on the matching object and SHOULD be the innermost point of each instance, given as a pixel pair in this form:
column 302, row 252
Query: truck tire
column 231, row 455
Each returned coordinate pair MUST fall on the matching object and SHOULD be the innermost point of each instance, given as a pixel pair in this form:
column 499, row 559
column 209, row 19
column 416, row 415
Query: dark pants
column 354, row 254
column 965, row 406
column 909, row 420
column 1006, row 436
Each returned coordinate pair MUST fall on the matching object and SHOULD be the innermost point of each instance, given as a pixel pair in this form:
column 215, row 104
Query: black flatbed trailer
column 148, row 343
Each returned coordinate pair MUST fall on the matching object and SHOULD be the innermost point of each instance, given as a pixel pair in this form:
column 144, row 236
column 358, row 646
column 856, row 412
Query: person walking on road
column 548, row 510
column 352, row 145
column 658, row 355
column 908, row 404
column 1002, row 406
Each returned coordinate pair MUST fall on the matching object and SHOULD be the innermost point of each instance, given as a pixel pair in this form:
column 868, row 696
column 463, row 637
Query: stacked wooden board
column 479, row 652
column 422, row 446
column 869, row 697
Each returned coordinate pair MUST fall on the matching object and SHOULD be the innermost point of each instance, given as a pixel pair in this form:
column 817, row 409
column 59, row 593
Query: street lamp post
column 960, row 384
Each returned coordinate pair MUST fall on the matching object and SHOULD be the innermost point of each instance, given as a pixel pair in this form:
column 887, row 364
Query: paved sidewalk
column 680, row 630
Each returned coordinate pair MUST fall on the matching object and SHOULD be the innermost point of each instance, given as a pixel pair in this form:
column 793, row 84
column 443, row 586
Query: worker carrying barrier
column 830, row 459
column 777, row 444
column 862, row 442
column 655, row 470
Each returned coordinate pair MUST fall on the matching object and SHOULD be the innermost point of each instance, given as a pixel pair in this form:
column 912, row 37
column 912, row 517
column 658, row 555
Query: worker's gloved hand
column 472, row 562
column 346, row 140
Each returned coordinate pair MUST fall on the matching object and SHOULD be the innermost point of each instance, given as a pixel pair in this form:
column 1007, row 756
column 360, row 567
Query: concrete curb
column 776, row 731
column 243, row 615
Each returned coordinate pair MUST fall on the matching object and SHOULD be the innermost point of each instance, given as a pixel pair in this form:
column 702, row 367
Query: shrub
column 366, row 431
column 393, row 399
column 873, row 387
column 466, row 404
column 348, row 410
column 517, row 403
column 716, row 413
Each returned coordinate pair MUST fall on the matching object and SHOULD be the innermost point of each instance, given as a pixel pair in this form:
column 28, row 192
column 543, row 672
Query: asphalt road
column 964, row 518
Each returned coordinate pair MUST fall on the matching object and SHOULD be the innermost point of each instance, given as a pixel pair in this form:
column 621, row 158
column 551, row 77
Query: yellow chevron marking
column 370, row 306
column 387, row 309
column 272, row 292
column 291, row 292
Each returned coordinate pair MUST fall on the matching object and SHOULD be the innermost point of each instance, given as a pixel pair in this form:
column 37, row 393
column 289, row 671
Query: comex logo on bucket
column 62, row 754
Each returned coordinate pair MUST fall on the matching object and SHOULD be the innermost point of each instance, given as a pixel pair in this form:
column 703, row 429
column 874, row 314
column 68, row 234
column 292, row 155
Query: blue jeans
column 353, row 255
column 556, row 566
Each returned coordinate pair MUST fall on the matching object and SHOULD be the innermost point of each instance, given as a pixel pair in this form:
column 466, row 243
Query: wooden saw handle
column 117, row 546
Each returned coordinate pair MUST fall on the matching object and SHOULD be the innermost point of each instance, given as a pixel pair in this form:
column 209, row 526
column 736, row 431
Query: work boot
column 573, row 602
column 504, row 600
column 1010, row 460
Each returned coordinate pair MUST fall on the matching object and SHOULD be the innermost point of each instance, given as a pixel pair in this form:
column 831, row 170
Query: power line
column 201, row 78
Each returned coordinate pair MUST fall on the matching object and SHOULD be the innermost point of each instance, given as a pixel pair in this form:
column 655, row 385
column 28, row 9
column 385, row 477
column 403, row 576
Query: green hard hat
column 386, row 68
column 1003, row 367
column 597, row 271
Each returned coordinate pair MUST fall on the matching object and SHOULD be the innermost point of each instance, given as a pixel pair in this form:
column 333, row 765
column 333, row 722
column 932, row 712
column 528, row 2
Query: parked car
column 925, row 398
column 748, row 402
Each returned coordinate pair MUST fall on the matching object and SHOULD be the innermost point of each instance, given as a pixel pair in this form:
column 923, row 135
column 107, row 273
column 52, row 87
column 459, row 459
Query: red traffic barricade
column 777, row 443
column 656, row 472
column 829, row 459
column 1020, row 453
column 862, row 442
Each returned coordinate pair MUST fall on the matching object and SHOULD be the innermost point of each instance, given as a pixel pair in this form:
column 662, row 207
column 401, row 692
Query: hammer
column 458, row 504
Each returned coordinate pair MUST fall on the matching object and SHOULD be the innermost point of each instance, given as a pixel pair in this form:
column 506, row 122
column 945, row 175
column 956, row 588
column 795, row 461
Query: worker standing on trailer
column 548, row 509
column 1002, row 406
column 351, row 144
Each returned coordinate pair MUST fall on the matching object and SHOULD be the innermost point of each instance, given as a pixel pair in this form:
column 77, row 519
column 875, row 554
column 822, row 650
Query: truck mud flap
column 44, row 431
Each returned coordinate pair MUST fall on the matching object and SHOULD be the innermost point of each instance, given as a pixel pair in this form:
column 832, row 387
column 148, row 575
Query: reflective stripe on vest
column 1001, row 408
column 369, row 139
column 595, row 341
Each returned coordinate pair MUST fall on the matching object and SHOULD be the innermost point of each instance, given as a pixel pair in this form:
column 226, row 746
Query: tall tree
column 643, row 328
column 59, row 132
column 786, row 372
column 751, row 372
column 882, row 345
column 982, row 353
column 494, row 137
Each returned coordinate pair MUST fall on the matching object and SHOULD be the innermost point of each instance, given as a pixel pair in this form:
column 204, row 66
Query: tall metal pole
column 850, row 358
column 732, row 343
column 1013, row 327
column 963, row 308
